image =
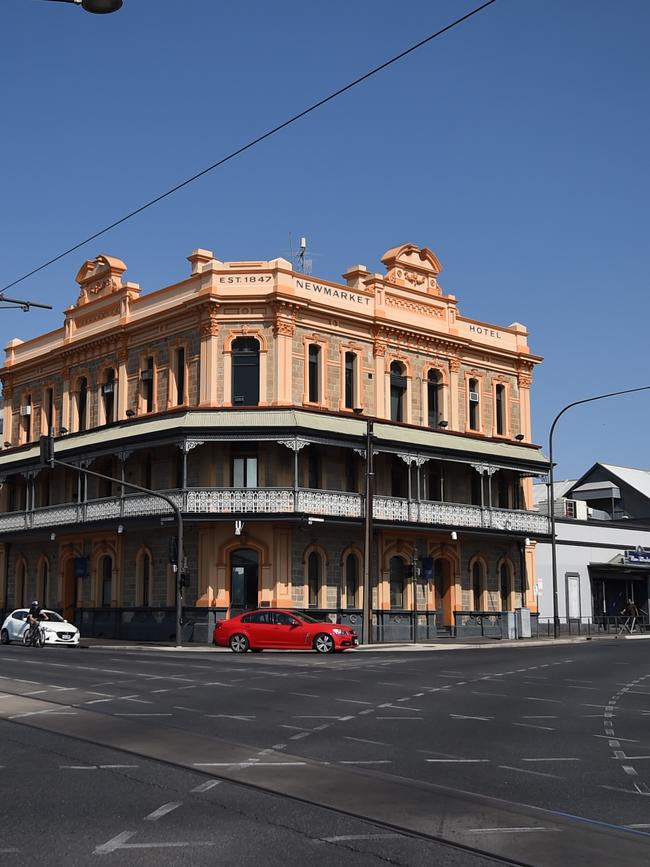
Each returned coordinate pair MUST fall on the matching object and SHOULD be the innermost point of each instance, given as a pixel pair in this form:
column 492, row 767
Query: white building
column 603, row 544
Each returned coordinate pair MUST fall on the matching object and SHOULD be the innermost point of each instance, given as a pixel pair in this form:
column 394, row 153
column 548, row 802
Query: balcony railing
column 286, row 501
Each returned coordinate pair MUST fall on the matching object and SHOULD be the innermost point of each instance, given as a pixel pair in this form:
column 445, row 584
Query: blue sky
column 515, row 147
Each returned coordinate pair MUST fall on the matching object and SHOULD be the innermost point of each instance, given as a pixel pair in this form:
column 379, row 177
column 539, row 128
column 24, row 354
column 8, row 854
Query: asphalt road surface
column 537, row 756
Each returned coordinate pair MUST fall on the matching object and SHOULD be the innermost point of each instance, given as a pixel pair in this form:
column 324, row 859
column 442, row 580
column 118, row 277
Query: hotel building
column 247, row 393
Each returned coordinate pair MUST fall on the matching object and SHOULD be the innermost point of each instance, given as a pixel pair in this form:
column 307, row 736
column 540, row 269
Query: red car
column 289, row 630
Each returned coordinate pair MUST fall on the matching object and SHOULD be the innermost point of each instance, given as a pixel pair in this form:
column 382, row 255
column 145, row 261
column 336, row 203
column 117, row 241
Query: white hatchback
column 55, row 628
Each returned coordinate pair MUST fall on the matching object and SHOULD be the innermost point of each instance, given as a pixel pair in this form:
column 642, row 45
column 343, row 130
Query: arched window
column 145, row 580
column 82, row 404
column 500, row 409
column 473, row 399
column 26, row 418
column 147, row 377
column 477, row 585
column 244, row 578
column 43, row 588
column 314, row 578
column 106, row 581
column 434, row 393
column 19, row 594
column 245, row 371
column 108, row 395
column 179, row 376
column 397, row 577
column 314, row 372
column 397, row 391
column 505, row 585
column 351, row 580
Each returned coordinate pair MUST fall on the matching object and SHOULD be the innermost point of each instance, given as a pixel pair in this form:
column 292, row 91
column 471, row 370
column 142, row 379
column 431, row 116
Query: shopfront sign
column 637, row 555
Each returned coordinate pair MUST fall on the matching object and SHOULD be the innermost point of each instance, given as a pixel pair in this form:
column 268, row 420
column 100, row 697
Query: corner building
column 247, row 393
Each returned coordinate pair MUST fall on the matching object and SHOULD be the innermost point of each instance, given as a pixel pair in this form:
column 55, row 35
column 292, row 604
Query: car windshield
column 54, row 617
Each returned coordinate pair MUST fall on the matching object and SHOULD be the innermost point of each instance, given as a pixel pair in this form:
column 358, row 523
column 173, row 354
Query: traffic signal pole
column 47, row 457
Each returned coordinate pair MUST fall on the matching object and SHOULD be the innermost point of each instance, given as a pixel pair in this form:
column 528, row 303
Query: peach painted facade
column 246, row 389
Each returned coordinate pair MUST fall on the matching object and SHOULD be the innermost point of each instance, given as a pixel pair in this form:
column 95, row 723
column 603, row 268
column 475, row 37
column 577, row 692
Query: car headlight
column 340, row 631
column 47, row 628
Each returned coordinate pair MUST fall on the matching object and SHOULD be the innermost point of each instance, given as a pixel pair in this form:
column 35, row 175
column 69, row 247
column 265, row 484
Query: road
column 536, row 755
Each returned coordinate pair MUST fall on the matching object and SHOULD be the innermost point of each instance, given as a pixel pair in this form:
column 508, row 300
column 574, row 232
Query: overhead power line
column 252, row 143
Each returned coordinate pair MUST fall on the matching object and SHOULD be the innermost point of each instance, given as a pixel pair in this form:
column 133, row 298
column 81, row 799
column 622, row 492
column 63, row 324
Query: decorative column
column 121, row 404
column 284, row 329
column 208, row 356
column 381, row 400
column 295, row 445
column 65, row 399
column 454, row 400
column 7, row 412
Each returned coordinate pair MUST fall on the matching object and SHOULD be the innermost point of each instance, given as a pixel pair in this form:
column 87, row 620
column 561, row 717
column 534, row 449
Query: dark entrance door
column 442, row 589
column 610, row 595
column 244, row 579
column 69, row 595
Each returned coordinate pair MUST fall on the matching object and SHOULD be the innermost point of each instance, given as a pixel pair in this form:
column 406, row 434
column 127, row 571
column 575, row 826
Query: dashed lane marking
column 162, row 811
column 205, row 787
column 528, row 771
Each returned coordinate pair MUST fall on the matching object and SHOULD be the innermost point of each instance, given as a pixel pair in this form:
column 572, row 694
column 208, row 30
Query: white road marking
column 462, row 761
column 205, row 787
column 463, row 716
column 400, row 707
column 354, row 701
column 510, row 830
column 250, row 764
column 537, row 716
column 498, row 694
column 527, row 771
column 305, row 694
column 78, row 767
column 627, row 740
column 345, row 837
column 192, row 709
column 549, row 700
column 366, row 762
column 532, row 726
column 642, row 825
column 629, row 770
column 115, row 843
column 229, row 716
column 299, row 736
column 402, row 718
column 364, row 741
column 556, row 759
column 119, row 766
column 98, row 700
column 142, row 714
column 162, row 811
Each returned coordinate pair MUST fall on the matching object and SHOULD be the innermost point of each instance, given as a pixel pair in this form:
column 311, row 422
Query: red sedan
column 287, row 630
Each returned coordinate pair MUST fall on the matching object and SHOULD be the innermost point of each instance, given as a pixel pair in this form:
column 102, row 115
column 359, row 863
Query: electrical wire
column 251, row 143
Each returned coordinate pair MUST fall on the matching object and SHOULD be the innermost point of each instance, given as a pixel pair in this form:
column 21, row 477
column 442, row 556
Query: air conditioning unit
column 108, row 387
column 473, row 397
column 26, row 410
column 146, row 375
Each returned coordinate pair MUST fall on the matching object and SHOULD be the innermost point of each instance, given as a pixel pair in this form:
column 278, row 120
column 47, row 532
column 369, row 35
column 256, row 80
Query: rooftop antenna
column 304, row 263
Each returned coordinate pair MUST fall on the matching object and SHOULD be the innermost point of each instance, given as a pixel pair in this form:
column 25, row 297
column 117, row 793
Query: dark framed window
column 180, row 375
column 82, row 403
column 500, row 409
column 505, row 586
column 106, row 577
column 397, row 391
column 350, row 380
column 313, row 385
column 477, row 585
column 245, row 371
column 314, row 578
column 108, row 395
column 147, row 375
column 351, row 580
column 313, row 468
column 398, row 477
column 26, row 413
column 350, row 472
column 473, row 399
column 433, row 397
column 476, row 488
column 146, row 581
column 397, row 573
column 433, row 481
column 48, row 409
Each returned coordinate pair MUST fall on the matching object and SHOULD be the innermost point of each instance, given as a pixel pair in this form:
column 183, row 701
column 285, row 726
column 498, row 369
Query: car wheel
column 4, row 637
column 324, row 643
column 239, row 643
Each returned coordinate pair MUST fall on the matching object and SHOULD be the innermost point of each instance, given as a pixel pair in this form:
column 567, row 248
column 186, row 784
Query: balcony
column 277, row 501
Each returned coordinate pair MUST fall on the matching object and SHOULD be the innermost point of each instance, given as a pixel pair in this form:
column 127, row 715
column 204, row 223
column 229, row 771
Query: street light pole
column 366, row 634
column 551, row 492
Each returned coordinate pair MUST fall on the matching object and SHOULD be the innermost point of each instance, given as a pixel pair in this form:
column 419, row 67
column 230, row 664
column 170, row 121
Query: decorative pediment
column 99, row 277
column 415, row 267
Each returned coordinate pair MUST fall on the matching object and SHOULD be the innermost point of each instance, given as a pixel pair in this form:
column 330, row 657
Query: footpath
column 474, row 643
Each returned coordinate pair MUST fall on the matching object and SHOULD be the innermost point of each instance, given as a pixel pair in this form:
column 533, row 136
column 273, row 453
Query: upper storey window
column 474, row 404
column 500, row 409
column 434, row 395
column 108, row 395
column 179, row 375
column 350, row 397
column 82, row 403
column 147, row 377
column 47, row 412
column 26, row 418
column 397, row 391
column 245, row 371
column 314, row 373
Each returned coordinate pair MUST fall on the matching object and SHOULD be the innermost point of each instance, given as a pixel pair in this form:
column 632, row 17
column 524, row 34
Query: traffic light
column 47, row 450
column 173, row 550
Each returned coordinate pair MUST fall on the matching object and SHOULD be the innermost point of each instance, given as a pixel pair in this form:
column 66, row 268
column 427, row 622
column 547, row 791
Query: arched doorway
column 443, row 590
column 397, row 581
column 244, row 579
